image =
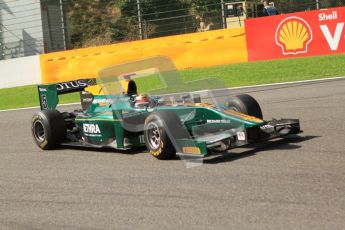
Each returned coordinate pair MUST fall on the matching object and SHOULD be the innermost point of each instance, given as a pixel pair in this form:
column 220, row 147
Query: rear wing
column 49, row 94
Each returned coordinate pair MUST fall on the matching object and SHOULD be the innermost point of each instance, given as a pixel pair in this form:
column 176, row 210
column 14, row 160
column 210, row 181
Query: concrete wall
column 20, row 72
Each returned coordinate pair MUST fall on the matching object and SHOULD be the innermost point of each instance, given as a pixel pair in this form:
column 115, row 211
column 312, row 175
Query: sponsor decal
column 103, row 101
column 241, row 136
column 191, row 150
column 92, row 130
column 142, row 139
column 333, row 40
column 42, row 90
column 88, row 99
column 331, row 16
column 311, row 33
column 44, row 101
column 72, row 85
column 293, row 35
column 266, row 127
column 219, row 121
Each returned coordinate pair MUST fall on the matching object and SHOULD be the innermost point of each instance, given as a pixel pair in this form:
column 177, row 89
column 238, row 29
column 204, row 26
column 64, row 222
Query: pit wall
column 310, row 33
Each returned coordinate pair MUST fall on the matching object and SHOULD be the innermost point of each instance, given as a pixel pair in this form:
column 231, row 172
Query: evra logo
column 91, row 129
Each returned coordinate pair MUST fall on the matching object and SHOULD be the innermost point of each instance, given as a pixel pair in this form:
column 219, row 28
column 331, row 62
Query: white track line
column 290, row 83
column 241, row 87
column 262, row 85
column 35, row 107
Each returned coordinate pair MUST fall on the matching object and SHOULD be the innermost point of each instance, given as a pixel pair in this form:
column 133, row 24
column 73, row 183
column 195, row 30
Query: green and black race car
column 165, row 125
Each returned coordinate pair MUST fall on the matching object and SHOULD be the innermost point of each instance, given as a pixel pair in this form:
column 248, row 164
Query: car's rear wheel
column 246, row 104
column 48, row 129
column 160, row 130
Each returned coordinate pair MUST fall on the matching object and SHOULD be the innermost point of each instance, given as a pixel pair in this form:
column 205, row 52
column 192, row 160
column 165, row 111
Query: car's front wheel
column 245, row 104
column 160, row 130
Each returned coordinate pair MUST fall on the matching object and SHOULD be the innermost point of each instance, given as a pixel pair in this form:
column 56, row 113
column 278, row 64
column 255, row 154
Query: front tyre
column 161, row 128
column 48, row 129
column 245, row 104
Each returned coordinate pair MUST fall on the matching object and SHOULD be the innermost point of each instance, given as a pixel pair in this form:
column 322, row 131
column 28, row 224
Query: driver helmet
column 142, row 98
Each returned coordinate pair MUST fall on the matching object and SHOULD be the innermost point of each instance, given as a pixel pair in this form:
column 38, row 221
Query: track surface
column 297, row 183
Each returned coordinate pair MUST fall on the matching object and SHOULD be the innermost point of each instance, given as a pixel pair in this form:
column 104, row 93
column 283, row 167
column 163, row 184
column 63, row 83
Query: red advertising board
column 300, row 34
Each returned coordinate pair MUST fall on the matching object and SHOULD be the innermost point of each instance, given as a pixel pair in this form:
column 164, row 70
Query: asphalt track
column 298, row 183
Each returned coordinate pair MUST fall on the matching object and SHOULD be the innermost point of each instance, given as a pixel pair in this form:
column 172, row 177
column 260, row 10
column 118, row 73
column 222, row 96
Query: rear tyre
column 246, row 104
column 160, row 129
column 48, row 129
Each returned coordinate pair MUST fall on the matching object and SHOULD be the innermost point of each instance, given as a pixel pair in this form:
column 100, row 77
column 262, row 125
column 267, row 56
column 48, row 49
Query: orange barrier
column 187, row 51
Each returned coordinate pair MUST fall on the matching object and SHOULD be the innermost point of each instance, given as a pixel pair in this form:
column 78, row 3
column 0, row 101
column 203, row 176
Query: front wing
column 233, row 138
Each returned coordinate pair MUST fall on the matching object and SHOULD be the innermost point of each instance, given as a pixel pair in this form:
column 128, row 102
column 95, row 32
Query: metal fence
column 86, row 23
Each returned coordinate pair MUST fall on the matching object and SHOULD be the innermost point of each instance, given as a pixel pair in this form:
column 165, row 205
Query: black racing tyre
column 161, row 128
column 48, row 129
column 246, row 104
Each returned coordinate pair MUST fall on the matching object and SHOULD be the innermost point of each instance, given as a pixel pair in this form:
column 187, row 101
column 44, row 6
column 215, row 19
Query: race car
column 128, row 120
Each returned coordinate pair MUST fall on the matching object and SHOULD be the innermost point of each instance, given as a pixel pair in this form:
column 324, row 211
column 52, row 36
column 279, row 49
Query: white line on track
column 241, row 87
column 290, row 83
column 35, row 107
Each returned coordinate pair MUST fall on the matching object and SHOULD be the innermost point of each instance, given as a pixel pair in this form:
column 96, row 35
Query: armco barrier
column 187, row 51
column 310, row 33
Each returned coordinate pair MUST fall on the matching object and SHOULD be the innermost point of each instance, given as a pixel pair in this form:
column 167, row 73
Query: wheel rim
column 153, row 135
column 39, row 131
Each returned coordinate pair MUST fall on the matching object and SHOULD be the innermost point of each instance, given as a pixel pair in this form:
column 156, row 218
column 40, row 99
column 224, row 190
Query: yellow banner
column 195, row 50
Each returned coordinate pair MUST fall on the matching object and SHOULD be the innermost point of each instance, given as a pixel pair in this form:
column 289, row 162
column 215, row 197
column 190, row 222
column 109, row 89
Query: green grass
column 265, row 72
column 27, row 96
column 234, row 75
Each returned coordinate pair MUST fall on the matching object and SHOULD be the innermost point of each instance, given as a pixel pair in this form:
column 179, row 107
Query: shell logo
column 293, row 35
